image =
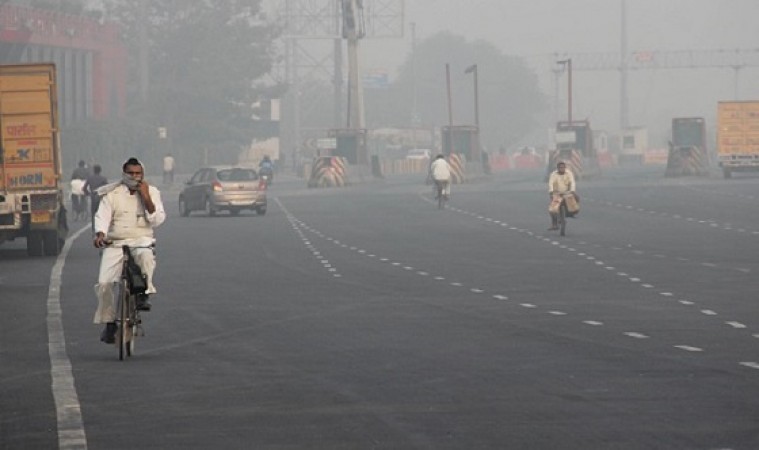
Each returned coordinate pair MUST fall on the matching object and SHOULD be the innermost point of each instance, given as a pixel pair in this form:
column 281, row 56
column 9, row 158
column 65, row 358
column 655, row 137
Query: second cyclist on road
column 440, row 172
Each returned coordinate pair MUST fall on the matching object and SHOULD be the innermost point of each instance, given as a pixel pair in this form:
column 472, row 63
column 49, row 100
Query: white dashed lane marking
column 636, row 335
column 688, row 348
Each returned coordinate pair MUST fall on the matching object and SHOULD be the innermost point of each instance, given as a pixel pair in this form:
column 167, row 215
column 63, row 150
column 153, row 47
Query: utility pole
column 448, row 89
column 568, row 64
column 473, row 70
column 353, row 30
column 624, row 112
column 143, row 51
column 414, row 112
column 338, row 79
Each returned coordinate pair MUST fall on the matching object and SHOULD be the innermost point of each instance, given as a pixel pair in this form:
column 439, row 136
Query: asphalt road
column 365, row 318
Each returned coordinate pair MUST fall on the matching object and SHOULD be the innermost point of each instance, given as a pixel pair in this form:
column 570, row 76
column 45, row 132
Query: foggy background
column 536, row 30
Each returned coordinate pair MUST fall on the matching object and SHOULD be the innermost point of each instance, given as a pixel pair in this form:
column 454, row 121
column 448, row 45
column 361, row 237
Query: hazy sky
column 536, row 29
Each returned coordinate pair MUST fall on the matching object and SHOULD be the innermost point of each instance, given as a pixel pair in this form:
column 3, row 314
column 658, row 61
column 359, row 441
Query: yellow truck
column 31, row 194
column 738, row 136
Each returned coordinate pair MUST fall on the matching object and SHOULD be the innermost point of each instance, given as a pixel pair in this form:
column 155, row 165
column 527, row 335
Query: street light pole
column 473, row 70
column 568, row 64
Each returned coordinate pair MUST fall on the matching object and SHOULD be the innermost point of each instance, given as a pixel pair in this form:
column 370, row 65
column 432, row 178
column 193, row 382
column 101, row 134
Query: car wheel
column 261, row 211
column 210, row 210
column 184, row 211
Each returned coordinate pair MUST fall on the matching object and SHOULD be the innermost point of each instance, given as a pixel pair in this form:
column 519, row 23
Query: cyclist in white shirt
column 440, row 172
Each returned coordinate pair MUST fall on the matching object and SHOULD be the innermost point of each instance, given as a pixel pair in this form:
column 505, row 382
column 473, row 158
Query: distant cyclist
column 560, row 182
column 129, row 211
column 94, row 181
column 440, row 172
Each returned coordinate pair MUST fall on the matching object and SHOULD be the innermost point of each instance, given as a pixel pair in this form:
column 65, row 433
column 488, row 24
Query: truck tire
column 51, row 243
column 34, row 243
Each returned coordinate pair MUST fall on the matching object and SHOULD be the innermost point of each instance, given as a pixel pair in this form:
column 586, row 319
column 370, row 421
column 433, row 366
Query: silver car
column 223, row 188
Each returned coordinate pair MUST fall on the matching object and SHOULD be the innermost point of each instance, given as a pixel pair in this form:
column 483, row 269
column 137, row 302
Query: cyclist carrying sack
column 573, row 203
column 138, row 282
column 553, row 208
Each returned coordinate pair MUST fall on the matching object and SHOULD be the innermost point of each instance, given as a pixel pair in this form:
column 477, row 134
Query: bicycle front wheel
column 122, row 337
column 133, row 323
column 563, row 218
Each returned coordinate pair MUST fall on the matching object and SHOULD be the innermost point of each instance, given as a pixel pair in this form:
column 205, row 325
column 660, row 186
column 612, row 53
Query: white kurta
column 561, row 183
column 122, row 217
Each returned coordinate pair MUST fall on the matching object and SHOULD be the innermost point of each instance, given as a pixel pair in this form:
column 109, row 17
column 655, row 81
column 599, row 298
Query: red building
column 90, row 57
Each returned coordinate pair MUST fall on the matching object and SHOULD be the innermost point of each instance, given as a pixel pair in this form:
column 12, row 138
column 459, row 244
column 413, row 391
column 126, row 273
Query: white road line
column 688, row 348
column 594, row 323
column 528, row 305
column 647, row 286
column 476, row 291
column 686, row 302
column 500, row 297
column 456, row 283
column 635, row 335
column 752, row 365
column 68, row 410
column 666, row 294
column 557, row 313
column 708, row 312
column 736, row 324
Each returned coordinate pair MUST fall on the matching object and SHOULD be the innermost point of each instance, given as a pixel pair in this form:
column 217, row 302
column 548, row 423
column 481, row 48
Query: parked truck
column 688, row 152
column 738, row 136
column 31, row 194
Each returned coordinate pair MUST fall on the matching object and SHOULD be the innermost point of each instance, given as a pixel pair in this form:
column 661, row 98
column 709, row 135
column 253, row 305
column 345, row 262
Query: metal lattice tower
column 313, row 50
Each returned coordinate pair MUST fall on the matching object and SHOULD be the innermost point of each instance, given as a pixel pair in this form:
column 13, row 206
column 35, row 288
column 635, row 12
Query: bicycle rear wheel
column 562, row 218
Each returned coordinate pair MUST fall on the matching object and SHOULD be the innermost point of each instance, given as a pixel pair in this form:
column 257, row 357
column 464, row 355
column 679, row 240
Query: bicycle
column 563, row 212
column 439, row 193
column 128, row 320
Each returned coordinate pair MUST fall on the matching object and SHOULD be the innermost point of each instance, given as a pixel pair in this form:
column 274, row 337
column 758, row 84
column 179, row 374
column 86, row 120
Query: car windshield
column 237, row 175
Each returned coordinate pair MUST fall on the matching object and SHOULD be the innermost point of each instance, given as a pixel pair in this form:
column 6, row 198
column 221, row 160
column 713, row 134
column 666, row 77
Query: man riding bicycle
column 560, row 182
column 129, row 211
column 440, row 172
